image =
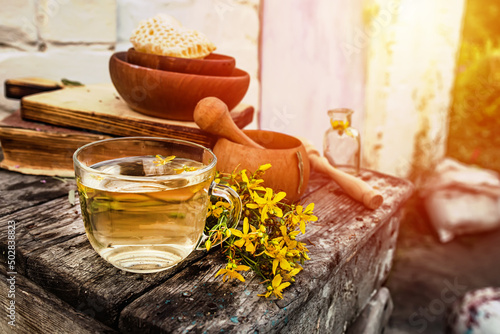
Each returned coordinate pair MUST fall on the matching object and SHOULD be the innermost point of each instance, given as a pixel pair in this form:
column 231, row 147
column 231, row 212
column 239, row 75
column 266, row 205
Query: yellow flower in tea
column 267, row 204
column 185, row 168
column 302, row 216
column 231, row 271
column 245, row 237
column 276, row 287
column 163, row 161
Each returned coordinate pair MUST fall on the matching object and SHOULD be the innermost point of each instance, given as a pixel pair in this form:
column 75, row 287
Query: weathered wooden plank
column 20, row 87
column 37, row 311
column 53, row 251
column 335, row 296
column 77, row 274
column 42, row 226
column 194, row 301
column 58, row 257
column 375, row 315
column 18, row 191
column 351, row 256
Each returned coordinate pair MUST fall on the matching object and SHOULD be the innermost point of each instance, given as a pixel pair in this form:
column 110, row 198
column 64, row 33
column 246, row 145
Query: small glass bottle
column 341, row 144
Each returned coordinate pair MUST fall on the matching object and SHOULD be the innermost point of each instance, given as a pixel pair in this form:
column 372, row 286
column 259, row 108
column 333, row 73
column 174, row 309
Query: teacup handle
column 227, row 193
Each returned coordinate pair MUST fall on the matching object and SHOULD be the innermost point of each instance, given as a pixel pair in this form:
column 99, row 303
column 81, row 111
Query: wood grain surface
column 100, row 108
column 39, row 311
column 18, row 191
column 350, row 246
column 19, row 87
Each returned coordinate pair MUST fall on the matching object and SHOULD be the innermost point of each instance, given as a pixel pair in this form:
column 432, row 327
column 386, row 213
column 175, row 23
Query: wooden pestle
column 353, row 186
column 212, row 115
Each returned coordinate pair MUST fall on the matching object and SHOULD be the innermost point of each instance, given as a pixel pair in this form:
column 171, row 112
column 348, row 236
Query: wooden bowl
column 172, row 95
column 288, row 157
column 213, row 64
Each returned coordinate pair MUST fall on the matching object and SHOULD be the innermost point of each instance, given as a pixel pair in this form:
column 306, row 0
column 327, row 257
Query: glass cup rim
column 88, row 169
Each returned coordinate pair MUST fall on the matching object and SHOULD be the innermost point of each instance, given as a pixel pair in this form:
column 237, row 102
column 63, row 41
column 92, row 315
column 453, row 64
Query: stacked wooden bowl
column 170, row 87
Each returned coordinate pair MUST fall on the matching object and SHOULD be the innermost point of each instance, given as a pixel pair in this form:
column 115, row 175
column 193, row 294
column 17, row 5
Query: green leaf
column 67, row 82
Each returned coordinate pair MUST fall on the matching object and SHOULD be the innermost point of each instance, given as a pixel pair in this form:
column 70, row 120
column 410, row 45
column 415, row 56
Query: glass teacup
column 144, row 200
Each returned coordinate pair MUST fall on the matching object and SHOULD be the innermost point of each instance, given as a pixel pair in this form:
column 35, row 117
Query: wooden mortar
column 286, row 154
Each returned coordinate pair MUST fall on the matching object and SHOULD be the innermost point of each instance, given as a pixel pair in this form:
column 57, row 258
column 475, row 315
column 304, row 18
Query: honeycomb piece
column 164, row 35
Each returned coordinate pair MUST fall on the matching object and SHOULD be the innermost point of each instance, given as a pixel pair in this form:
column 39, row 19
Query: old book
column 40, row 149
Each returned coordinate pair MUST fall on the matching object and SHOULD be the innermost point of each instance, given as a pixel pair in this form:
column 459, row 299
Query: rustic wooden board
column 18, row 191
column 36, row 228
column 100, row 108
column 54, row 253
column 20, row 87
column 351, row 257
column 74, row 272
column 38, row 311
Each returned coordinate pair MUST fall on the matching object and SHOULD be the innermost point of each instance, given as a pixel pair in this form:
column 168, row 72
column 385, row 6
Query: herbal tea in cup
column 144, row 200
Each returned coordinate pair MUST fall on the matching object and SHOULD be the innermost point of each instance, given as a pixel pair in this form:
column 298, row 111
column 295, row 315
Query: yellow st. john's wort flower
column 245, row 237
column 185, row 168
column 267, row 204
column 264, row 167
column 217, row 209
column 289, row 276
column 280, row 257
column 252, row 184
column 289, row 237
column 302, row 216
column 231, row 271
column 163, row 161
column 216, row 235
column 276, row 287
